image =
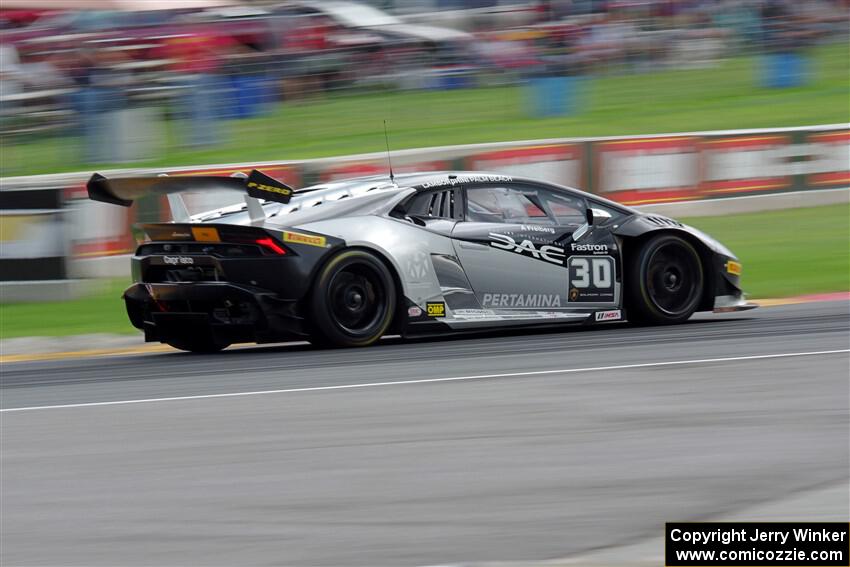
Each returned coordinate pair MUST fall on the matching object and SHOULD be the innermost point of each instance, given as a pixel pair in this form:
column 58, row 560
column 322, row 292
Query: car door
column 529, row 247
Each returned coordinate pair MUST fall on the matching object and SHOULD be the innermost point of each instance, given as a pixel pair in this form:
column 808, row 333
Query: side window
column 438, row 204
column 524, row 205
column 568, row 210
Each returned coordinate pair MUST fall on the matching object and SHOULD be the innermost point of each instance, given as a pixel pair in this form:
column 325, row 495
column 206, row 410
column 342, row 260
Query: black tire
column 353, row 301
column 665, row 281
column 199, row 346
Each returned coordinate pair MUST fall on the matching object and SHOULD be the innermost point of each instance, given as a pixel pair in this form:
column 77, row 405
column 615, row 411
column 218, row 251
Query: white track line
column 431, row 380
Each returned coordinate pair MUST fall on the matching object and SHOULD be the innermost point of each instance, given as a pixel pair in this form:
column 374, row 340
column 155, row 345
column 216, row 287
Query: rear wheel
column 665, row 281
column 354, row 300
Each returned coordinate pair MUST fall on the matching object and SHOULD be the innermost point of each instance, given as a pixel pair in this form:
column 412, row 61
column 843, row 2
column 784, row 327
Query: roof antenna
column 389, row 159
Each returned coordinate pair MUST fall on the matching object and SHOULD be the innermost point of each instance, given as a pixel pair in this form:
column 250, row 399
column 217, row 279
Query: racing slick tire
column 665, row 281
column 354, row 300
column 199, row 346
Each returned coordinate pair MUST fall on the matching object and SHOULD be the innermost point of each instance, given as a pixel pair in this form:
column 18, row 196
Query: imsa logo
column 436, row 309
column 614, row 315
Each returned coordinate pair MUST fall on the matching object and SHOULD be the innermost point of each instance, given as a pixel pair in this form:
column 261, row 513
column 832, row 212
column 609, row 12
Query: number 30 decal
column 591, row 272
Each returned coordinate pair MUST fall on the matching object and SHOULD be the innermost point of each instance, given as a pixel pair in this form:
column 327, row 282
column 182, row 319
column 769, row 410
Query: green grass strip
column 726, row 96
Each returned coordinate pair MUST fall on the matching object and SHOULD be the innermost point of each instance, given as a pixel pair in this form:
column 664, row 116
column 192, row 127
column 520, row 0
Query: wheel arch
column 383, row 257
column 631, row 243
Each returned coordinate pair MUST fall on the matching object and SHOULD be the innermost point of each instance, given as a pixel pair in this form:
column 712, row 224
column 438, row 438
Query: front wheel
column 354, row 300
column 665, row 281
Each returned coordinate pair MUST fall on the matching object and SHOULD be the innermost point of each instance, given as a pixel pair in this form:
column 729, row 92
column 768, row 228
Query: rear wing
column 124, row 191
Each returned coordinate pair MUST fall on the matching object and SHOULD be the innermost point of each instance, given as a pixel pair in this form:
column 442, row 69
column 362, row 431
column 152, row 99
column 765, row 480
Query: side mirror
column 589, row 215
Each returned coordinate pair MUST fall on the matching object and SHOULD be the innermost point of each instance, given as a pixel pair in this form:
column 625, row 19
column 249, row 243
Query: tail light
column 217, row 235
column 271, row 246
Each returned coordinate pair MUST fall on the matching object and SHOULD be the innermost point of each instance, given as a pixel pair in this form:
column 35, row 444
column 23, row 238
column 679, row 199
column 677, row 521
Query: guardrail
column 635, row 170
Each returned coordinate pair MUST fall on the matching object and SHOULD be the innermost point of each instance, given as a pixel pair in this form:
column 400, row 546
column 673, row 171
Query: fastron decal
column 595, row 248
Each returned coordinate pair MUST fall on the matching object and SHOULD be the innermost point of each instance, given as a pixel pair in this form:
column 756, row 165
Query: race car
column 344, row 263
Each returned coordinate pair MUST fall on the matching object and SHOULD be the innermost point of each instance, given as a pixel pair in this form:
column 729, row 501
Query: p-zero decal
column 591, row 279
column 262, row 186
column 546, row 252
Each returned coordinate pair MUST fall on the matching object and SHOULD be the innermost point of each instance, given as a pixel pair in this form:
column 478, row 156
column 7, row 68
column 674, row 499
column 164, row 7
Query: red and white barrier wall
column 652, row 170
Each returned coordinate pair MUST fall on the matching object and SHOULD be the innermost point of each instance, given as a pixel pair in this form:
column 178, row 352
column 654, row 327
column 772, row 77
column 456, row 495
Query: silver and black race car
column 347, row 262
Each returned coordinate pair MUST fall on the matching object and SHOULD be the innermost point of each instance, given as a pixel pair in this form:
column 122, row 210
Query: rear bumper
column 227, row 312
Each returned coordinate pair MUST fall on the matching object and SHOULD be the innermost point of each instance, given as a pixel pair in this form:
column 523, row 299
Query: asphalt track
column 497, row 447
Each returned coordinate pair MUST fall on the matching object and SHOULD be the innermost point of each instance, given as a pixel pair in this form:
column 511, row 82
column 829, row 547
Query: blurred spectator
column 222, row 63
column 10, row 71
column 99, row 97
column 197, row 62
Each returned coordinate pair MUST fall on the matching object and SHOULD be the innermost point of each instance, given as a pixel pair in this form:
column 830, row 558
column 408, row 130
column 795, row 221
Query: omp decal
column 733, row 267
column 614, row 315
column 595, row 248
column 461, row 179
column 205, row 234
column 546, row 252
column 308, row 239
column 436, row 309
column 520, row 300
